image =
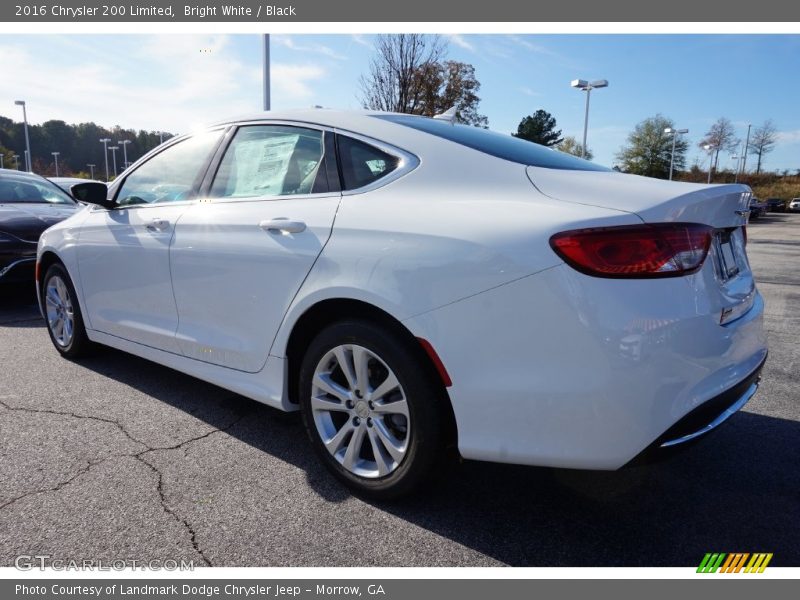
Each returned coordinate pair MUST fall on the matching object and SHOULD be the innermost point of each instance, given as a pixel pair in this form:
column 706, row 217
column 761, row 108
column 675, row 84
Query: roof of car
column 320, row 116
column 22, row 174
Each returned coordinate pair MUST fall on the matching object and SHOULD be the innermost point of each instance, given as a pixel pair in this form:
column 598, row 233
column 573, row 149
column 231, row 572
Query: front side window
column 29, row 190
column 271, row 160
column 363, row 164
column 169, row 176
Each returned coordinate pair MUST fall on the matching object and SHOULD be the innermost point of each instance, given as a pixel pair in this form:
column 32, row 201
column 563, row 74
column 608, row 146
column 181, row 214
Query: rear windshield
column 496, row 144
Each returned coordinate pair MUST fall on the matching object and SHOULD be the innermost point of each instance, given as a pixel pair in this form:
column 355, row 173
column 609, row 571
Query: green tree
column 540, row 128
column 571, row 145
column 649, row 149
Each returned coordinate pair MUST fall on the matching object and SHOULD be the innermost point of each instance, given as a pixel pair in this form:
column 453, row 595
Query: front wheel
column 62, row 313
column 371, row 410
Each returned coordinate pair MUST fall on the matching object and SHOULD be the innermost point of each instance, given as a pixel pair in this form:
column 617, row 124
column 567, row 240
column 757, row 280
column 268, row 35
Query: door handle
column 158, row 225
column 282, row 225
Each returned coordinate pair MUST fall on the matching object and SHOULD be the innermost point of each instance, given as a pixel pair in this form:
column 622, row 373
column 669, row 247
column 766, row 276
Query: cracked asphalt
column 115, row 457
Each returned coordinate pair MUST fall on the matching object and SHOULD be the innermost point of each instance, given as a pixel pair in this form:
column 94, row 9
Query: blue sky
column 166, row 82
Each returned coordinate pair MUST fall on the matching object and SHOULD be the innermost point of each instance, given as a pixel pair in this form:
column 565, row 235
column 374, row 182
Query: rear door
column 239, row 257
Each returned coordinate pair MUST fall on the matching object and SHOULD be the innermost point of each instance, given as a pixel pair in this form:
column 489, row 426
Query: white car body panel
column 233, row 280
column 125, row 273
column 549, row 366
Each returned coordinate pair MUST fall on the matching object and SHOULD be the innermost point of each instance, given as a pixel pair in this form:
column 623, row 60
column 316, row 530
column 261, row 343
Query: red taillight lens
column 658, row 250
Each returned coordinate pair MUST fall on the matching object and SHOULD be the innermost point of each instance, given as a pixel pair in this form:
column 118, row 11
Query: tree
column 409, row 74
column 649, row 149
column 763, row 141
column 540, row 128
column 721, row 136
column 571, row 145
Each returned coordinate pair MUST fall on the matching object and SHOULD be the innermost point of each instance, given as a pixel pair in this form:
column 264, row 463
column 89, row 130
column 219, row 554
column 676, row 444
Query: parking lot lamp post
column 114, row 155
column 746, row 148
column 710, row 149
column 55, row 158
column 587, row 87
column 16, row 161
column 105, row 141
column 27, row 139
column 91, row 170
column 675, row 133
column 124, row 144
column 1, row 161
column 160, row 137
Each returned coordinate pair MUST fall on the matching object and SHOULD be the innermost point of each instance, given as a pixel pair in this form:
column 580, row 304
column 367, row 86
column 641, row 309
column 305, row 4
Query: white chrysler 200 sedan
column 410, row 284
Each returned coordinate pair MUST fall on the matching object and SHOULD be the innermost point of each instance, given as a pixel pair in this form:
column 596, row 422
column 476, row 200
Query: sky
column 176, row 82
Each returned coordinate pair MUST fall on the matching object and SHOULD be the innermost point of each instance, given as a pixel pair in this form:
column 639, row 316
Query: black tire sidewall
column 422, row 395
column 80, row 342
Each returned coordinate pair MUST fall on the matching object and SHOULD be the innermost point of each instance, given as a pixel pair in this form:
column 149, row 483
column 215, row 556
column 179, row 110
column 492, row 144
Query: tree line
column 78, row 146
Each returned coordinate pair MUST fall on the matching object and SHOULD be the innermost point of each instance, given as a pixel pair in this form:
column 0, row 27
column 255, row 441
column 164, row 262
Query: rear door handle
column 158, row 225
column 282, row 225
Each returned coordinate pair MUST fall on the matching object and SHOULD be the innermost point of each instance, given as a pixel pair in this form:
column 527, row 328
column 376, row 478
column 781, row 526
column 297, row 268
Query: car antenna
column 449, row 115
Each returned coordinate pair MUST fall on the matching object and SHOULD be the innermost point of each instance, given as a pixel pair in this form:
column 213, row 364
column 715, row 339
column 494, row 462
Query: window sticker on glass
column 262, row 165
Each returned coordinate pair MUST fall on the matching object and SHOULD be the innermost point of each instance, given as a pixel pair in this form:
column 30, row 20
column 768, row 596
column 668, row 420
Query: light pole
column 28, row 157
column 55, row 158
column 160, row 137
column 91, row 170
column 16, row 161
column 587, row 87
column 267, row 102
column 105, row 141
column 1, row 161
column 710, row 148
column 124, row 144
column 114, row 154
column 675, row 133
column 746, row 148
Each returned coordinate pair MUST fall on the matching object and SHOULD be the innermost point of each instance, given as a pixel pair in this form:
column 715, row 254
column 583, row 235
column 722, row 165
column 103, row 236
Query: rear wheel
column 62, row 313
column 372, row 413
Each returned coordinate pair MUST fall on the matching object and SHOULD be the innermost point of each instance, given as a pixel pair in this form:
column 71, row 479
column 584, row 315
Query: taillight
column 657, row 250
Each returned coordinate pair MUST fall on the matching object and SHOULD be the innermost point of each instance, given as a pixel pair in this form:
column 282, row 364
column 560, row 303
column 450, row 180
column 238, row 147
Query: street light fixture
column 124, row 144
column 16, row 161
column 55, row 158
column 587, row 87
column 28, row 157
column 674, row 133
column 114, row 154
column 91, row 170
column 710, row 148
column 105, row 141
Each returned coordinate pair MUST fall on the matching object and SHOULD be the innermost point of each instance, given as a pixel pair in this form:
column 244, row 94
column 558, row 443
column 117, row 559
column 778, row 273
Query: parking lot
column 114, row 457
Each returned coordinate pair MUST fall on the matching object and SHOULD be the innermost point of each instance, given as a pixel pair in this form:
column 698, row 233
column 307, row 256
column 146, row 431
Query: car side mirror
column 92, row 192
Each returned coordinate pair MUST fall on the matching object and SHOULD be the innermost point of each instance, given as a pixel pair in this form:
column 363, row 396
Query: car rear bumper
column 564, row 370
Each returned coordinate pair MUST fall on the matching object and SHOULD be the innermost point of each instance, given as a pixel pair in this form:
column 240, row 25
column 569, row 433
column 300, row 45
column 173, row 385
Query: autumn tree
column 649, row 149
column 571, row 145
column 409, row 74
column 763, row 142
column 540, row 128
column 720, row 136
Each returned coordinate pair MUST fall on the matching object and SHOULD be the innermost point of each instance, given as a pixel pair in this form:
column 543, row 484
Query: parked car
column 757, row 208
column 410, row 284
column 29, row 204
column 66, row 183
column 776, row 205
column 794, row 205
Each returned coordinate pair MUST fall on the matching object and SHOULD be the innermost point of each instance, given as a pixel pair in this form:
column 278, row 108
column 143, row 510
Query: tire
column 63, row 314
column 382, row 446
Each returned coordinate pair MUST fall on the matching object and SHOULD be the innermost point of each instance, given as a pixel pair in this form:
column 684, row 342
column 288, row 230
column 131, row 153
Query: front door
column 123, row 255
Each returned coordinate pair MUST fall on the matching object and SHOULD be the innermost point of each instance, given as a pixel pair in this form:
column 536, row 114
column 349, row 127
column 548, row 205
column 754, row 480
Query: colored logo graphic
column 735, row 562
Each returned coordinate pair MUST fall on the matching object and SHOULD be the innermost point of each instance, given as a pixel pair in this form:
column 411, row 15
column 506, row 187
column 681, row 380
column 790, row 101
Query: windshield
column 496, row 144
column 30, row 190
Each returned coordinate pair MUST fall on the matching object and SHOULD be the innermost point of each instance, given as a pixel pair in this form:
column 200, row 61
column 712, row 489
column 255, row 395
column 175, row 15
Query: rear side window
column 362, row 164
column 496, row 144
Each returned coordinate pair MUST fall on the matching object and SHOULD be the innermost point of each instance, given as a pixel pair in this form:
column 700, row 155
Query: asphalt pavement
column 115, row 457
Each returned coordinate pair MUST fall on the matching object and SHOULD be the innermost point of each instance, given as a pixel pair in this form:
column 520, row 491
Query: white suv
column 794, row 205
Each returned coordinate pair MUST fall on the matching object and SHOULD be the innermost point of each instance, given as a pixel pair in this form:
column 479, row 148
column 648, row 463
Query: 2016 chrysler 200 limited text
column 410, row 284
